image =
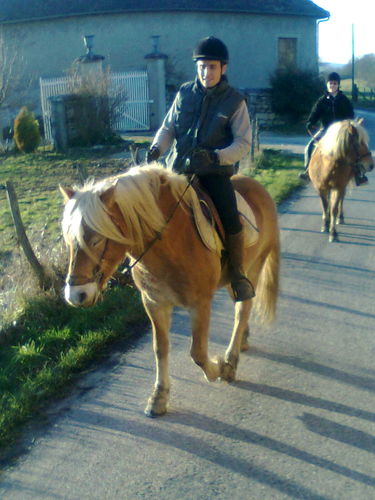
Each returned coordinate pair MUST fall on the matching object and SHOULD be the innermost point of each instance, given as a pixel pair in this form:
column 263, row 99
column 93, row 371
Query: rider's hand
column 201, row 161
column 153, row 154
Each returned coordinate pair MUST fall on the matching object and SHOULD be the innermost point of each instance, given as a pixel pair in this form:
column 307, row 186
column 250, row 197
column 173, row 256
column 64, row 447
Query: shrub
column 96, row 101
column 26, row 131
column 293, row 93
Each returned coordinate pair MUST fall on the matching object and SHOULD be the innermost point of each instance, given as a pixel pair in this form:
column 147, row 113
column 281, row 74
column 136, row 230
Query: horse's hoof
column 324, row 229
column 149, row 412
column 228, row 373
column 333, row 238
column 157, row 404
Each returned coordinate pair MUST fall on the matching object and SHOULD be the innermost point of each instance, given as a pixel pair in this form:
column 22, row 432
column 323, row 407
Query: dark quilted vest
column 203, row 120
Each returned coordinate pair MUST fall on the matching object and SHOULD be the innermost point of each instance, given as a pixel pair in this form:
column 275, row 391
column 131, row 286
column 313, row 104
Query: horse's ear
column 67, row 193
column 360, row 121
column 107, row 196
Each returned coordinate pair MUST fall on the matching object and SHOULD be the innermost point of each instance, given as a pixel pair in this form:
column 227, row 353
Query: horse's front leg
column 200, row 323
column 232, row 354
column 160, row 317
column 325, row 212
column 334, row 206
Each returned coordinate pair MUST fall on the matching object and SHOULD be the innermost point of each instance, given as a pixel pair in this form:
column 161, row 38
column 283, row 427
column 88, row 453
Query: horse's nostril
column 82, row 297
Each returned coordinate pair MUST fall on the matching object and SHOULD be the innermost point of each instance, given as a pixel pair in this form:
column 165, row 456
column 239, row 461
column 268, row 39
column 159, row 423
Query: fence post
column 38, row 269
column 157, row 84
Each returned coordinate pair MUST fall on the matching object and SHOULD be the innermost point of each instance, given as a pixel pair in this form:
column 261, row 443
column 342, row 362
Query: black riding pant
column 220, row 188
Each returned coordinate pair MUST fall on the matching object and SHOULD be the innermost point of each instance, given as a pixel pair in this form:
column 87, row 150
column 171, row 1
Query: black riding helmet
column 333, row 77
column 211, row 48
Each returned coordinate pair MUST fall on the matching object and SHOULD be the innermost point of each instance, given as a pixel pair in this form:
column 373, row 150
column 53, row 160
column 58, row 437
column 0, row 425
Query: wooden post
column 38, row 269
column 253, row 136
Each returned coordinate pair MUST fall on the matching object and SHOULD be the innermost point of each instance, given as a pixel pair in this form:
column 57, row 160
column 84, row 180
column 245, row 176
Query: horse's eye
column 96, row 241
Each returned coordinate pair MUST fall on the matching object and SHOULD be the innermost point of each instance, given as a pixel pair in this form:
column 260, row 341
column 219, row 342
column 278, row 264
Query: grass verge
column 50, row 344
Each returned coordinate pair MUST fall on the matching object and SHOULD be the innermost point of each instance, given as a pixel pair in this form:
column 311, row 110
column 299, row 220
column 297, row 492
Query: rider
column 208, row 131
column 331, row 107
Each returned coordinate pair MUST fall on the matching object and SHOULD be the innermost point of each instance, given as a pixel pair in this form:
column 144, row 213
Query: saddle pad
column 209, row 235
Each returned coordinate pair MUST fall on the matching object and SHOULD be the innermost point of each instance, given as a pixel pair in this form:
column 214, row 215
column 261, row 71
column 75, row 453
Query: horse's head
column 362, row 152
column 93, row 255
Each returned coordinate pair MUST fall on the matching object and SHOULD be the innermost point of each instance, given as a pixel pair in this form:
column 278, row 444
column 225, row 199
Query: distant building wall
column 48, row 48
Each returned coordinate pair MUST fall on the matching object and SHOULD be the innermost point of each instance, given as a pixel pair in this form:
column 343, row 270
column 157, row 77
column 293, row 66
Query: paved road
column 298, row 423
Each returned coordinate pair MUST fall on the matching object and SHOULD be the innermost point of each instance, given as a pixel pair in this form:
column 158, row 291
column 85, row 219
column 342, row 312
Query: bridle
column 97, row 274
column 360, row 156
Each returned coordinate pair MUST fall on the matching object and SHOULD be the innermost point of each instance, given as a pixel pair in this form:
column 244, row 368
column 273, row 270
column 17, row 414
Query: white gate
column 133, row 114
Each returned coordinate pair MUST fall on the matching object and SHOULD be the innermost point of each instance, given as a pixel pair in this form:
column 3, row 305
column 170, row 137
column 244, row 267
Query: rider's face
column 210, row 72
column 333, row 87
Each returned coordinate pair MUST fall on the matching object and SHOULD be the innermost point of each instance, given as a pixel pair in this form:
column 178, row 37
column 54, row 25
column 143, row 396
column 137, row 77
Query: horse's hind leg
column 340, row 216
column 160, row 319
column 200, row 319
column 232, row 354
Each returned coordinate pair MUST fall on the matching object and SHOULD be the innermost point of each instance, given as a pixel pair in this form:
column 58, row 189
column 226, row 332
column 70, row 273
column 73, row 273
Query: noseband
column 98, row 273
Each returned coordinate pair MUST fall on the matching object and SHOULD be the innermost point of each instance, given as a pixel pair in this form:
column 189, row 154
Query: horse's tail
column 268, row 285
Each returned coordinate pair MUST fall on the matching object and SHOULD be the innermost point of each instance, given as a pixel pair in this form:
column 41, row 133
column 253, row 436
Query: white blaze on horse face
column 81, row 295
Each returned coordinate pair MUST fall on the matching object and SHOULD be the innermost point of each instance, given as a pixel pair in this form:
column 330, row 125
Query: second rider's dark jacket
column 202, row 120
column 329, row 109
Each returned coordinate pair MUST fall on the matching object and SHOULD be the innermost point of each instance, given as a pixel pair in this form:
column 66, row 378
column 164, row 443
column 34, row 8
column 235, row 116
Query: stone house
column 261, row 35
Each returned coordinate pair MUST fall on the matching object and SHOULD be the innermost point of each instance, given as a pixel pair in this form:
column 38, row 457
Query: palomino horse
column 343, row 148
column 145, row 214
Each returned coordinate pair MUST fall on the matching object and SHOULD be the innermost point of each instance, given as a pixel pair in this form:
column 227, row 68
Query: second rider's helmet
column 333, row 77
column 211, row 48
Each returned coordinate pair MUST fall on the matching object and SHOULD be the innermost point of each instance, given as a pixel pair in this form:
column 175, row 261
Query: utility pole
column 354, row 93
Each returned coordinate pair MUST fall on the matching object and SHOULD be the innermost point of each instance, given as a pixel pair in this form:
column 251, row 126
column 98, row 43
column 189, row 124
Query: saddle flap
column 210, row 228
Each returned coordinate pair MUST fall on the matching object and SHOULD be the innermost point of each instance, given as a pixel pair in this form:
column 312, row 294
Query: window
column 287, row 52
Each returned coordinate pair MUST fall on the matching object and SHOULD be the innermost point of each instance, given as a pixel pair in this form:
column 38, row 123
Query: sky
column 335, row 35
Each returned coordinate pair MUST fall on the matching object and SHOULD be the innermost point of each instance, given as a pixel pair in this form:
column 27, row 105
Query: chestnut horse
column 145, row 214
column 343, row 148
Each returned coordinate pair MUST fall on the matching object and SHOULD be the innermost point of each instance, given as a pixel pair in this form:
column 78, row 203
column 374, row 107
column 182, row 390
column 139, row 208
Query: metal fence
column 132, row 111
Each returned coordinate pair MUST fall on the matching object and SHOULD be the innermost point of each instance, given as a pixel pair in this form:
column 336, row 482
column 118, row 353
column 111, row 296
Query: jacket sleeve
column 241, row 130
column 165, row 135
column 315, row 114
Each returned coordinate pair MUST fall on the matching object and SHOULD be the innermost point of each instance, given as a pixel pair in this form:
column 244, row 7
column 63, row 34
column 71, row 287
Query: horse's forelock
column 87, row 207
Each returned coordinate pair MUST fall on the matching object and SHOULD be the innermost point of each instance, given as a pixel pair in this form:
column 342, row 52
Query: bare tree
column 10, row 60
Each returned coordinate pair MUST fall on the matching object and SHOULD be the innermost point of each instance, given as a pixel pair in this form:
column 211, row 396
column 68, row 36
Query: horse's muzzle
column 81, row 295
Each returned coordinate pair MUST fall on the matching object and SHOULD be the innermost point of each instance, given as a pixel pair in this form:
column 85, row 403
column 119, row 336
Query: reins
column 126, row 271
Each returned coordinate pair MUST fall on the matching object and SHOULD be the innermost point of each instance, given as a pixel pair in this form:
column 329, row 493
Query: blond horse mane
column 136, row 193
column 336, row 141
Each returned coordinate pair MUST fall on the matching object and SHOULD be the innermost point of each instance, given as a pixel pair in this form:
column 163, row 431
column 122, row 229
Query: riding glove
column 202, row 161
column 153, row 154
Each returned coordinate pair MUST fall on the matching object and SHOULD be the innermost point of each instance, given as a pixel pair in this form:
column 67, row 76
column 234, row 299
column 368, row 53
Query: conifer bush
column 26, row 131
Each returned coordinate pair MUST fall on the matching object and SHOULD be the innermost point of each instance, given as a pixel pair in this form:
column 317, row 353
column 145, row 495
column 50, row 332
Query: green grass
column 36, row 178
column 277, row 172
column 48, row 344
column 51, row 343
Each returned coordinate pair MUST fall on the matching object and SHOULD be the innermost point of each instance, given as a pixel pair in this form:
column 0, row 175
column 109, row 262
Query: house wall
column 48, row 48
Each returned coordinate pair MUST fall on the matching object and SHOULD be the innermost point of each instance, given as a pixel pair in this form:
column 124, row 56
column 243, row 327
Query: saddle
column 210, row 227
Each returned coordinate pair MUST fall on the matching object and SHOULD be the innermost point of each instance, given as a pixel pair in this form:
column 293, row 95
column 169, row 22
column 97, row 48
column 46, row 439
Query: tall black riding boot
column 241, row 286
